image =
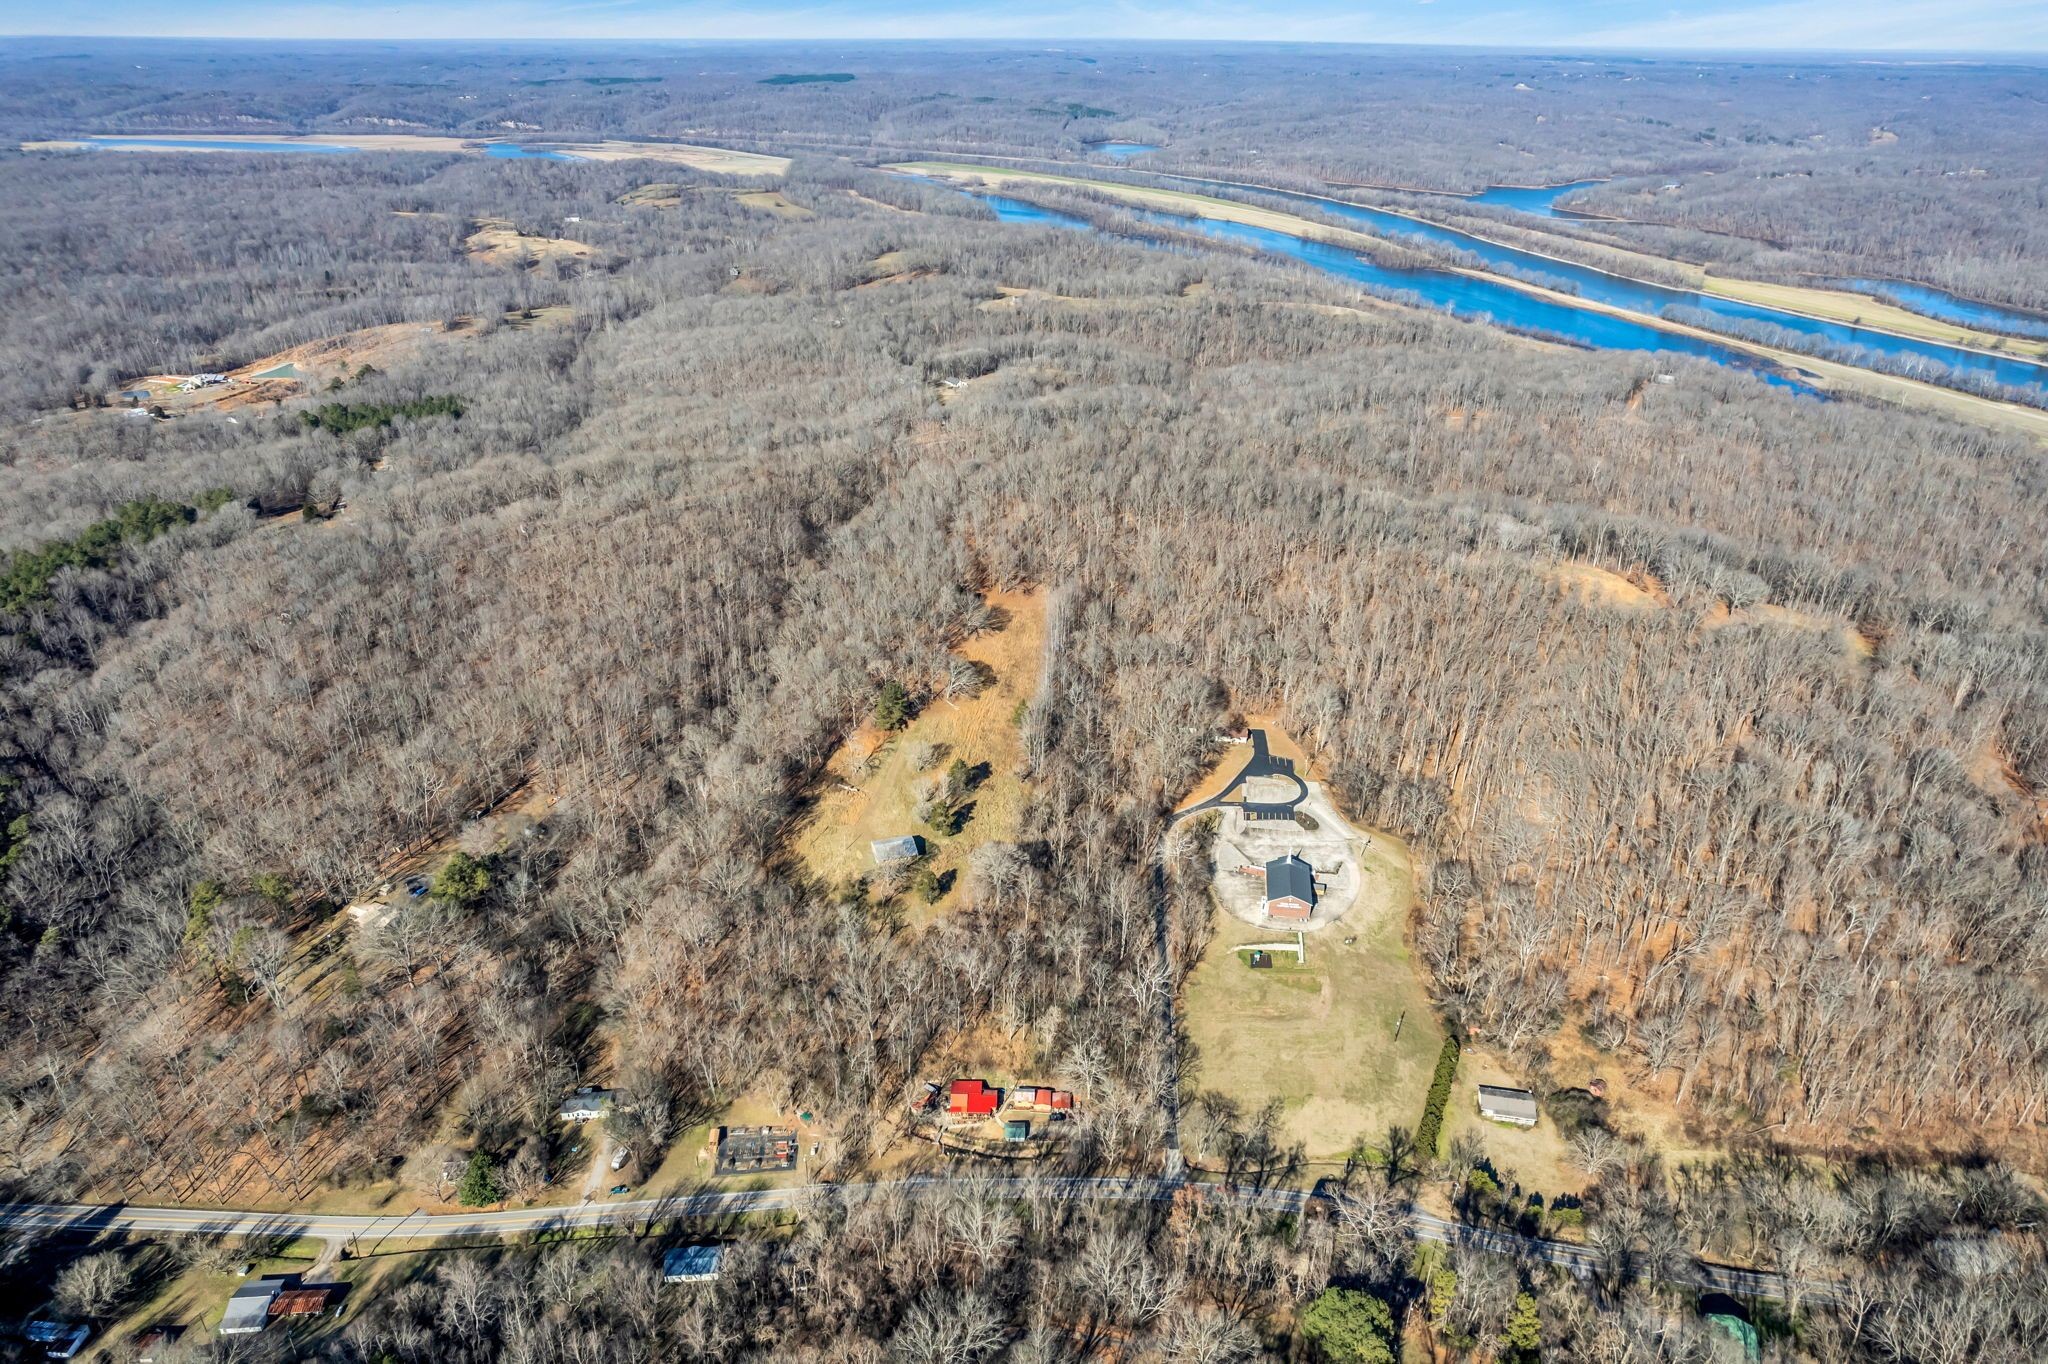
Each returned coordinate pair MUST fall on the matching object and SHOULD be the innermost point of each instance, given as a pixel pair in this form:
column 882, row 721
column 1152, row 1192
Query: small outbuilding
column 248, row 1309
column 1290, row 889
column 300, row 1302
column 691, row 1264
column 152, row 1344
column 59, row 1339
column 1499, row 1104
column 905, row 849
column 586, row 1105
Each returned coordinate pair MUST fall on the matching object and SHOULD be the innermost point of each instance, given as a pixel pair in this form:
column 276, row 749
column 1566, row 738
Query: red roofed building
column 972, row 1099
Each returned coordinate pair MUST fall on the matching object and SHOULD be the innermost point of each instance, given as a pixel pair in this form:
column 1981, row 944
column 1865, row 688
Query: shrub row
column 342, row 418
column 1430, row 1131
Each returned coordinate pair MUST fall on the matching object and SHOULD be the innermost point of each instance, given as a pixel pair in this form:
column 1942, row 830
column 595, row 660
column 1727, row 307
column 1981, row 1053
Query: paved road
column 1262, row 763
column 366, row 1233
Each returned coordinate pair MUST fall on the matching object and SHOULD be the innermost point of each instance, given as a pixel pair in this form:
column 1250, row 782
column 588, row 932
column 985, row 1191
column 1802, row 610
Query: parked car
column 416, row 887
column 618, row 1189
column 620, row 1157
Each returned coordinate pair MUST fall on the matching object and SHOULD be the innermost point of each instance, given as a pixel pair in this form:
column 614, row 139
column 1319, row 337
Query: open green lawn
column 1320, row 1037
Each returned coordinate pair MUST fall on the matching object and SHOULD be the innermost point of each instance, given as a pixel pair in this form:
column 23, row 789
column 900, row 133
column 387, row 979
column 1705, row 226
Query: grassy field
column 1838, row 305
column 833, row 840
column 1535, row 1158
column 1319, row 1037
column 773, row 201
column 497, row 242
column 1173, row 200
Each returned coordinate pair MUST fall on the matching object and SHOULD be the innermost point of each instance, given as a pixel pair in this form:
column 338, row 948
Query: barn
column 1290, row 889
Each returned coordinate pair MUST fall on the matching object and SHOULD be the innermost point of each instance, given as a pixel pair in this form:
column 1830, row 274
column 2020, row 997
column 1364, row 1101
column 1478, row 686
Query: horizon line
column 1893, row 54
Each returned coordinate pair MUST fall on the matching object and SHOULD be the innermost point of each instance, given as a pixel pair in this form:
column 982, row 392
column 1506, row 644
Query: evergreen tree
column 461, row 879
column 1347, row 1326
column 892, row 707
column 479, row 1187
column 1523, row 1338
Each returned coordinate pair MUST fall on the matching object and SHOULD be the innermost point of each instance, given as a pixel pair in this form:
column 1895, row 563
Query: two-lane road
column 366, row 1232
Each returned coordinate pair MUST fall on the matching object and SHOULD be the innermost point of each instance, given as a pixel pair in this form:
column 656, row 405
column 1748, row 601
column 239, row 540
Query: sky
column 1980, row 26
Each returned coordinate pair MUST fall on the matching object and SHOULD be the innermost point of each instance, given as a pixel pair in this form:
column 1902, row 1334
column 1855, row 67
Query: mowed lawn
column 833, row 840
column 1320, row 1038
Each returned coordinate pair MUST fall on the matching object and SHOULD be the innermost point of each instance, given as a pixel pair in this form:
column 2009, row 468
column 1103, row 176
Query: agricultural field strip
column 90, row 1217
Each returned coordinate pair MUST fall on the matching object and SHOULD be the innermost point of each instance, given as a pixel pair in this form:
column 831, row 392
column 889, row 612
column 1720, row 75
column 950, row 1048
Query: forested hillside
column 1927, row 171
column 1764, row 826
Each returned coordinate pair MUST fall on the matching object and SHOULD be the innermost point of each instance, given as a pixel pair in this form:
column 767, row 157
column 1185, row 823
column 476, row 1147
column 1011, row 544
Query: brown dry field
column 497, row 242
column 327, row 359
column 775, row 202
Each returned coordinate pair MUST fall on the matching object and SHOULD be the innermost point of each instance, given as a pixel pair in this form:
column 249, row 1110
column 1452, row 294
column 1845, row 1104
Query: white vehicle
column 620, row 1157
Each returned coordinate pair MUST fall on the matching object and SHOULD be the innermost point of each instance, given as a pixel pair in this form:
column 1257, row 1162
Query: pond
column 1123, row 151
column 1641, row 296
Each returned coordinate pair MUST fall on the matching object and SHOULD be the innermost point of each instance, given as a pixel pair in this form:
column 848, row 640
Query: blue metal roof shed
column 691, row 1264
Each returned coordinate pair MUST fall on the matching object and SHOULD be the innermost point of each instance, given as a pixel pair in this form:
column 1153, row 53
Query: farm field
column 1319, row 1038
column 870, row 789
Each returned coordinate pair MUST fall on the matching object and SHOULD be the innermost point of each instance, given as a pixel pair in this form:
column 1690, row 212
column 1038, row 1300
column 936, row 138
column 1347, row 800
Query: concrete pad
column 1333, row 848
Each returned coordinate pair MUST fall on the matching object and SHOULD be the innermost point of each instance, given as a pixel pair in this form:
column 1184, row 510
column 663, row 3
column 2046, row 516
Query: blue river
column 1541, row 202
column 1508, row 307
column 1123, row 151
column 512, row 151
column 1921, row 298
column 1460, row 295
column 195, row 144
column 503, row 150
column 1643, row 297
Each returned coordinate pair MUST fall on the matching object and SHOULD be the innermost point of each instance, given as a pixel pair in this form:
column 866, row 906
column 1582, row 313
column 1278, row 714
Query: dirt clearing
column 1596, row 586
column 773, row 201
column 497, row 242
column 869, row 791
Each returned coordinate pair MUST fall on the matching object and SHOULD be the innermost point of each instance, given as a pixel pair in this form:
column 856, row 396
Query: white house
column 1516, row 1106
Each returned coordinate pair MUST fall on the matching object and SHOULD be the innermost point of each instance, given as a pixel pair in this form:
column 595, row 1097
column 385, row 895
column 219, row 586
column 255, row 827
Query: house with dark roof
column 755, row 1150
column 585, row 1105
column 1290, row 889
